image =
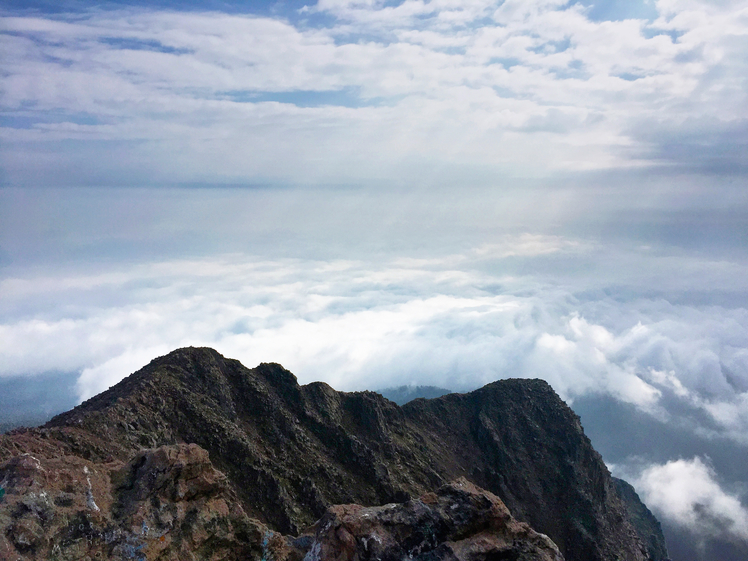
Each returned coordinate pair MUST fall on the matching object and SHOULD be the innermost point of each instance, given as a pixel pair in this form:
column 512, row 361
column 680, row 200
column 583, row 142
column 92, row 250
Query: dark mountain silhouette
column 285, row 453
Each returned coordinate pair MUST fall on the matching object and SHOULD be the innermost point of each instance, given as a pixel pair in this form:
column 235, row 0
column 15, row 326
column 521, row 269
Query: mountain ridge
column 289, row 452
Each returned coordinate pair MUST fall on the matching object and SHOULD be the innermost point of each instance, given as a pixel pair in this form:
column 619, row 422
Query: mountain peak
column 289, row 451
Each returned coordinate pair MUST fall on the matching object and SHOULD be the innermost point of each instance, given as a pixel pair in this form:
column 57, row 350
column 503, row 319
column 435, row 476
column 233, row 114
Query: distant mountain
column 197, row 455
column 403, row 394
column 33, row 400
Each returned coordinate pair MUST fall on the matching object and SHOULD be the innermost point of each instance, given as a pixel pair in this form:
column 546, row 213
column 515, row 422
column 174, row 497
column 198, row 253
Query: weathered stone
column 27, row 535
column 178, row 504
column 169, row 503
column 460, row 522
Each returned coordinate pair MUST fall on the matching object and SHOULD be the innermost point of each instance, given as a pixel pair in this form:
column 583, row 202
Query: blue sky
column 376, row 193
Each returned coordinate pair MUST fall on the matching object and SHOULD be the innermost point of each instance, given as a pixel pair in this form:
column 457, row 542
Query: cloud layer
column 457, row 320
column 365, row 92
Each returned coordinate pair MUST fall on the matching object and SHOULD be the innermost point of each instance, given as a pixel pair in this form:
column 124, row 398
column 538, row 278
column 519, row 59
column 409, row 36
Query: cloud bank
column 457, row 321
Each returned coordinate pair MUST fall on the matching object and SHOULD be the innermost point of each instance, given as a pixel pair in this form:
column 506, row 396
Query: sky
column 384, row 193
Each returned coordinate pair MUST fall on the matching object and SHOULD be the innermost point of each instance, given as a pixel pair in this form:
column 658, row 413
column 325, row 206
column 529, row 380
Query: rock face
column 289, row 452
column 168, row 503
column 460, row 522
column 644, row 522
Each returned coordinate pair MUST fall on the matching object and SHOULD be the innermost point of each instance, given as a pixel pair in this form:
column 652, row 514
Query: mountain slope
column 290, row 451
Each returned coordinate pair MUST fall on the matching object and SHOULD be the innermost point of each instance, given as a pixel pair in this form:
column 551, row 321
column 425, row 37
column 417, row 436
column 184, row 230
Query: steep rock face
column 534, row 455
column 459, row 522
column 643, row 521
column 290, row 452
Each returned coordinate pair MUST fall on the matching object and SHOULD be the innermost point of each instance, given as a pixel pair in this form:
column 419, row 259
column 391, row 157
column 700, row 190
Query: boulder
column 460, row 522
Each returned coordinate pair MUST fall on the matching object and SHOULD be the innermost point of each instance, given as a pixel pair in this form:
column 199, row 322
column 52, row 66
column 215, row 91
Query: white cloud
column 473, row 84
column 527, row 245
column 455, row 320
column 687, row 493
column 99, row 378
column 583, row 361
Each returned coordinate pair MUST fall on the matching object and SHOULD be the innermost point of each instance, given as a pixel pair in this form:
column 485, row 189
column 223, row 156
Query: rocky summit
column 198, row 457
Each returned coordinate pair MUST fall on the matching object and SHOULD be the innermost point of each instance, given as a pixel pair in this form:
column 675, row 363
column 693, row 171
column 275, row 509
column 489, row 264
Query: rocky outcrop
column 167, row 503
column 460, row 522
column 290, row 452
column 180, row 506
column 170, row 503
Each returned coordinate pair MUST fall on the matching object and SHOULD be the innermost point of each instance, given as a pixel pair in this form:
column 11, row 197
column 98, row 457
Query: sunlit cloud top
column 352, row 92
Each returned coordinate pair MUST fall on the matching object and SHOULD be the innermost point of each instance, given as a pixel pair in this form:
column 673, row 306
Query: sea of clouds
column 566, row 309
column 450, row 321
column 441, row 193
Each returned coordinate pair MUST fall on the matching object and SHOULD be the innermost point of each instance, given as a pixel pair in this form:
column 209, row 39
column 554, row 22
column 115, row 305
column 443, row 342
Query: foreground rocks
column 459, row 522
column 170, row 503
column 287, row 453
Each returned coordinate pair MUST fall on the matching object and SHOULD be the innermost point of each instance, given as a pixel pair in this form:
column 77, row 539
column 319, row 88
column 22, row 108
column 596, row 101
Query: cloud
column 580, row 363
column 527, row 245
column 510, row 308
column 687, row 493
column 148, row 96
